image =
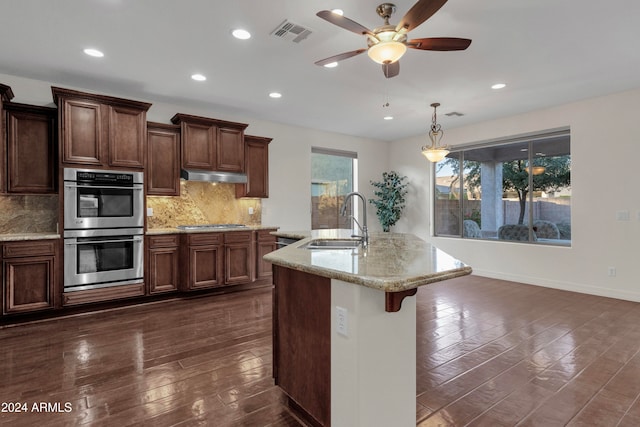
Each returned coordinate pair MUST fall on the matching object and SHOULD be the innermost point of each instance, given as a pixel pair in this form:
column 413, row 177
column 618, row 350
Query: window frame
column 531, row 139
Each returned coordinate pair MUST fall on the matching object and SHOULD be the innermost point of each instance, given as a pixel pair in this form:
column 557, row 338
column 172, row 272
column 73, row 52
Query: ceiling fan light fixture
column 386, row 52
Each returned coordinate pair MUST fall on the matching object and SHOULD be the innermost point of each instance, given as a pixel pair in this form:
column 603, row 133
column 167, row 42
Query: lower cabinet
column 222, row 259
column 265, row 243
column 29, row 276
column 204, row 258
column 163, row 263
column 238, row 258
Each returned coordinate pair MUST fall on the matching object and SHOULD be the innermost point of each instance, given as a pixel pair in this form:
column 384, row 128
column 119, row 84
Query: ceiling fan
column 387, row 44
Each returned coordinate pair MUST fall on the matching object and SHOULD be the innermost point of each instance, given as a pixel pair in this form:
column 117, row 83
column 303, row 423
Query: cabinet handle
column 89, row 242
column 110, row 187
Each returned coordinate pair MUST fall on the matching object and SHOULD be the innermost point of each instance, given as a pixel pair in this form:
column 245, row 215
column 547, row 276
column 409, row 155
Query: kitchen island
column 345, row 326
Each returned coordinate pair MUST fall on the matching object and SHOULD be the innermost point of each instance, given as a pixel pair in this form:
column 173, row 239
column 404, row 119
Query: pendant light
column 434, row 152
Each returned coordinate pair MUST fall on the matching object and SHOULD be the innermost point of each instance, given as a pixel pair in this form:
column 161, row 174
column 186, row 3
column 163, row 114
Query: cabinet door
column 127, row 137
column 31, row 159
column 163, row 161
column 205, row 264
column 265, row 243
column 256, row 167
column 198, row 146
column 82, row 132
column 28, row 284
column 163, row 270
column 238, row 258
column 230, row 150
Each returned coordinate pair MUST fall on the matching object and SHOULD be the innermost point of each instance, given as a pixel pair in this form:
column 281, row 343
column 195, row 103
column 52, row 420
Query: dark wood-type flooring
column 490, row 353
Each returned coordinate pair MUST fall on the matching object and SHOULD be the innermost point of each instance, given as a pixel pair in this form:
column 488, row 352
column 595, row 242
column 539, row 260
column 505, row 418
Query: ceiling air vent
column 289, row 31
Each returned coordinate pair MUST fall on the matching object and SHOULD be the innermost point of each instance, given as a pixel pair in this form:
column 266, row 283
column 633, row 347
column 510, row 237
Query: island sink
column 332, row 244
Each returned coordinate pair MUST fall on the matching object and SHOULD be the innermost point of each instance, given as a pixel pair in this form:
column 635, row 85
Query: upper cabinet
column 6, row 95
column 98, row 130
column 256, row 157
column 163, row 159
column 211, row 144
column 31, row 148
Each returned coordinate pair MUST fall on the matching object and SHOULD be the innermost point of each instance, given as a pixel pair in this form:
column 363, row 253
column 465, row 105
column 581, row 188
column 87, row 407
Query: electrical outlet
column 611, row 272
column 149, row 211
column 622, row 215
column 342, row 321
column 250, row 210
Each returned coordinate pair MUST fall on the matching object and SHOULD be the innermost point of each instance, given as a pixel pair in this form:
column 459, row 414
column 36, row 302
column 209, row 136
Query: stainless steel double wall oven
column 103, row 228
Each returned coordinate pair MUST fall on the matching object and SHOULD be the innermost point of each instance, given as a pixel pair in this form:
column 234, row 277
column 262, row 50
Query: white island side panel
column 373, row 369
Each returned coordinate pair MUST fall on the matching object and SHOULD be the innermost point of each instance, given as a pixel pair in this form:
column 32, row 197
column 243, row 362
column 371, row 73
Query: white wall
column 605, row 152
column 602, row 184
column 289, row 202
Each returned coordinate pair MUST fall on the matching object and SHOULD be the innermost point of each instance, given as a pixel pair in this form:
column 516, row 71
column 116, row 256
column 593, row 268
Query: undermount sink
column 332, row 244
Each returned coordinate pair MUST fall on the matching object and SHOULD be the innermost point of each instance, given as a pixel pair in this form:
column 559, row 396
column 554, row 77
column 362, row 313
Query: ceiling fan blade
column 420, row 12
column 439, row 43
column 340, row 57
column 391, row 70
column 343, row 22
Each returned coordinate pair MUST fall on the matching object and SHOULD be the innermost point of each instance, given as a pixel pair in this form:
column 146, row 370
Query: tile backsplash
column 198, row 203
column 203, row 203
column 28, row 214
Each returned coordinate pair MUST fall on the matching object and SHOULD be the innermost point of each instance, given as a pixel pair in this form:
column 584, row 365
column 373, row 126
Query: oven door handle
column 90, row 242
column 110, row 187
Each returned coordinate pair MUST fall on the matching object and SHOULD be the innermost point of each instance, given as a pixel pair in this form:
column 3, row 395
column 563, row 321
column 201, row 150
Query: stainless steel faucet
column 365, row 231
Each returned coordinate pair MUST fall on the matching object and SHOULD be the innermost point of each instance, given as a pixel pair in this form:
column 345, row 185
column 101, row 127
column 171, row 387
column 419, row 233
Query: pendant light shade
column 435, row 152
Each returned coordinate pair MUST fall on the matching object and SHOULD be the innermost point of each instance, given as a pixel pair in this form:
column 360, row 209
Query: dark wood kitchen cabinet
column 238, row 258
column 256, row 159
column 31, row 149
column 163, row 263
column 163, row 159
column 29, row 276
column 6, row 95
column 99, row 130
column 265, row 243
column 211, row 144
column 204, row 258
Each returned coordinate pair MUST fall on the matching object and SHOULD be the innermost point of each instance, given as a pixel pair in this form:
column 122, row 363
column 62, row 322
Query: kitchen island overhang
column 393, row 262
column 356, row 307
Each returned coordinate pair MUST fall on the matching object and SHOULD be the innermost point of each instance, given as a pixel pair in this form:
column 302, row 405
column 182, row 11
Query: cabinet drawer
column 237, row 237
column 266, row 236
column 164, row 241
column 29, row 248
column 205, row 239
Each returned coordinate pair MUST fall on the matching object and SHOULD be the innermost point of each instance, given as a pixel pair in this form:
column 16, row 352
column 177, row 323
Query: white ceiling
column 548, row 52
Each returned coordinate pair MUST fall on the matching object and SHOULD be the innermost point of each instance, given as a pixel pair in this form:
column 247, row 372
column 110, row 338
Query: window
column 332, row 178
column 517, row 189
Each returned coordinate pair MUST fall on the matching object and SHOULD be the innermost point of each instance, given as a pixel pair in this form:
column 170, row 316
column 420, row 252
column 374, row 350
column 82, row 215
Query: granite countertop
column 28, row 236
column 158, row 231
column 393, row 262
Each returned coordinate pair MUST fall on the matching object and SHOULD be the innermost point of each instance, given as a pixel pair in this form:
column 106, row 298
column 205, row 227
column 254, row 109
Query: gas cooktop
column 205, row 226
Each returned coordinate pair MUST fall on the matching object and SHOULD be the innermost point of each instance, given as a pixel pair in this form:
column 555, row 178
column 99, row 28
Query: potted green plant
column 389, row 201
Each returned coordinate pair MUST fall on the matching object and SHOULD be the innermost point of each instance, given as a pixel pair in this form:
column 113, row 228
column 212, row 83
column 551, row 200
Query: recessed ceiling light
column 388, row 117
column 275, row 95
column 338, row 11
column 331, row 65
column 198, row 77
column 94, row 52
column 241, row 34
column 499, row 86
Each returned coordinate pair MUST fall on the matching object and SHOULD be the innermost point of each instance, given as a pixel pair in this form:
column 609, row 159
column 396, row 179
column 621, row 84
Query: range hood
column 212, row 176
